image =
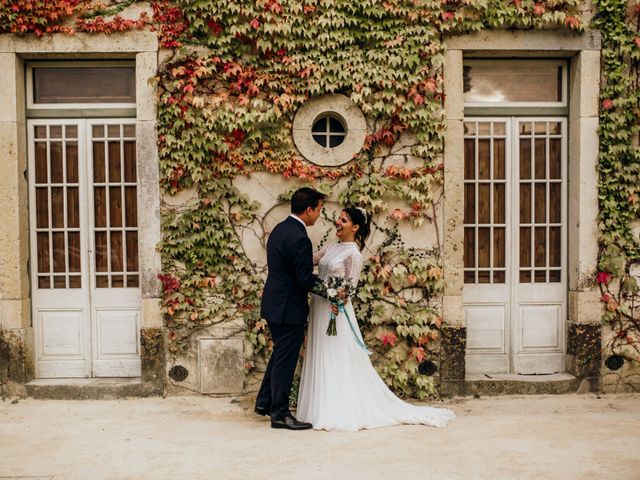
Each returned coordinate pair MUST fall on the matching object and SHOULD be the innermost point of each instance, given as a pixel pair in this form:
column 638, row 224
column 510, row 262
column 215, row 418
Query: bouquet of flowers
column 337, row 290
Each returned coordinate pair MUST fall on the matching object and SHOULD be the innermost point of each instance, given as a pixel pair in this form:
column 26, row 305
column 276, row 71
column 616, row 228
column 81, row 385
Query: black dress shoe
column 260, row 410
column 290, row 423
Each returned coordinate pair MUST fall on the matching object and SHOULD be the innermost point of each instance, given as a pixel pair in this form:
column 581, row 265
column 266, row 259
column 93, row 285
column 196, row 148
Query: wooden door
column 514, row 244
column 60, row 284
column 84, row 272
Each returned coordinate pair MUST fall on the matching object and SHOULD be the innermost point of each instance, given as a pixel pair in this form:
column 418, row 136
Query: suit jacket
column 290, row 274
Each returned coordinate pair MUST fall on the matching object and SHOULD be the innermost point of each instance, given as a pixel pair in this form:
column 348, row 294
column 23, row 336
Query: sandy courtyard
column 536, row 437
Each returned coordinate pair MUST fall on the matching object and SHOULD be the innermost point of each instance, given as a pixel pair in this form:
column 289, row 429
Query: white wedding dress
column 339, row 388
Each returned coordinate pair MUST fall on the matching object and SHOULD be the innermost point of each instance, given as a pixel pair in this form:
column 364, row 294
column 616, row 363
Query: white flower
column 332, row 292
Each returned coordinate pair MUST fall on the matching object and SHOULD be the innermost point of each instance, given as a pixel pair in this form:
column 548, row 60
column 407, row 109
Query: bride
column 339, row 388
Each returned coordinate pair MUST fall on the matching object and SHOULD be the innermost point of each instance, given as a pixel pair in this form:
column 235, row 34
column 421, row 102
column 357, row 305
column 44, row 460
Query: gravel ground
column 191, row 437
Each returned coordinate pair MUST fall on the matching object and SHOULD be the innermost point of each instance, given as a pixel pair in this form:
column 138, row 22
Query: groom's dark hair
column 304, row 198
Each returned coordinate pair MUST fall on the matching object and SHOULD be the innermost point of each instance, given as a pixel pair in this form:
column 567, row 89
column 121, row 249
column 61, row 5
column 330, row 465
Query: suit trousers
column 276, row 384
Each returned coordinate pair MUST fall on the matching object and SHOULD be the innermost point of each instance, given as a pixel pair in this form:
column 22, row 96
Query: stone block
column 151, row 313
column 584, row 84
column 453, row 208
column 584, row 345
column 583, row 201
column 221, row 365
column 148, row 208
column 585, row 306
column 523, row 41
column 453, row 341
column 146, row 68
column 8, row 87
column 12, row 356
column 453, row 310
column 126, row 42
column 453, row 85
column 14, row 314
column 153, row 356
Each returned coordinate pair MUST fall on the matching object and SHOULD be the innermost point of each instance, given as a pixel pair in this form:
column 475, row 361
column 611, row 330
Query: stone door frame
column 583, row 53
column 15, row 309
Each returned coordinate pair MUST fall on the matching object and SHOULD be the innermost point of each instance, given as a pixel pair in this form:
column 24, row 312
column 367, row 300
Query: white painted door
column 84, row 228
column 514, row 244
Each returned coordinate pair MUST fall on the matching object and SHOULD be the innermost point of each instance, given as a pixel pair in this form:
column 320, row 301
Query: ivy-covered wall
column 619, row 191
column 234, row 74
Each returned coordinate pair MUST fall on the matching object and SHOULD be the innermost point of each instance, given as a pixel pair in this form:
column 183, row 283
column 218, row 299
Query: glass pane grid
column 540, row 223
column 57, row 207
column 114, row 183
column 328, row 131
column 485, row 202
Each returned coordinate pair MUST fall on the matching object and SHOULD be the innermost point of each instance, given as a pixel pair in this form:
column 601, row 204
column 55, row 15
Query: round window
column 328, row 131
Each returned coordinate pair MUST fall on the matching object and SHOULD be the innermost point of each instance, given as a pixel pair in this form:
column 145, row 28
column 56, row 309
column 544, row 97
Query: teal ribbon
column 353, row 330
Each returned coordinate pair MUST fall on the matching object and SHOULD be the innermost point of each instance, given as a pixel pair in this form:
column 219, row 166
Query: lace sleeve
column 353, row 266
column 320, row 253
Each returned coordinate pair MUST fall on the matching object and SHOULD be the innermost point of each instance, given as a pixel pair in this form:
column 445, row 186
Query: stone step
column 90, row 388
column 513, row 384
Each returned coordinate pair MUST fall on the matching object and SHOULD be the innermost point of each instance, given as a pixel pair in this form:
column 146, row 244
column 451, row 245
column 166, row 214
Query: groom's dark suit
column 285, row 307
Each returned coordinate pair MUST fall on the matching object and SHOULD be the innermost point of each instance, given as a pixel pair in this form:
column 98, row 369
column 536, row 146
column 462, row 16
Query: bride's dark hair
column 362, row 218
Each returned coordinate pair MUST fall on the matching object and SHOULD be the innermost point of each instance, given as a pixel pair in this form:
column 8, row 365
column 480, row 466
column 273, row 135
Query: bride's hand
column 334, row 308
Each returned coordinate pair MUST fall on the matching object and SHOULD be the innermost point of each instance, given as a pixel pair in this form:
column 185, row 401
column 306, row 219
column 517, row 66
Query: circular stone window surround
column 341, row 107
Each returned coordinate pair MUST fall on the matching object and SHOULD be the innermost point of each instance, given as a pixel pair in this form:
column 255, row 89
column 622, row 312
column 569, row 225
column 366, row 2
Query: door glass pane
column 98, row 162
column 116, row 208
column 546, row 260
column 73, row 207
column 498, row 158
column 555, row 158
column 525, row 247
column 72, row 162
column 114, row 162
column 74, row 251
column 57, row 174
column 59, row 264
column 469, row 247
column 131, row 206
column 100, row 206
column 499, row 203
column 56, row 209
column 525, row 158
column 540, row 157
column 130, row 162
column 484, row 247
column 484, row 159
column 485, row 202
column 41, row 162
column 501, row 80
column 540, row 203
column 469, row 203
column 540, row 247
column 469, row 159
column 43, row 252
column 84, row 84
column 42, row 207
column 498, row 247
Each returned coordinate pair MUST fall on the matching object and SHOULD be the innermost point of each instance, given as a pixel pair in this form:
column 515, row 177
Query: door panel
column 63, row 234
column 539, row 295
column 115, row 282
column 486, row 236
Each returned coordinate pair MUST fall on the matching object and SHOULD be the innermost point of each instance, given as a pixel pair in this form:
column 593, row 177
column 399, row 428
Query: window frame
column 31, row 105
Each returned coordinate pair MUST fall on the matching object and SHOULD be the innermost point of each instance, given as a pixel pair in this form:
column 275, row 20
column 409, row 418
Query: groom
column 285, row 304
